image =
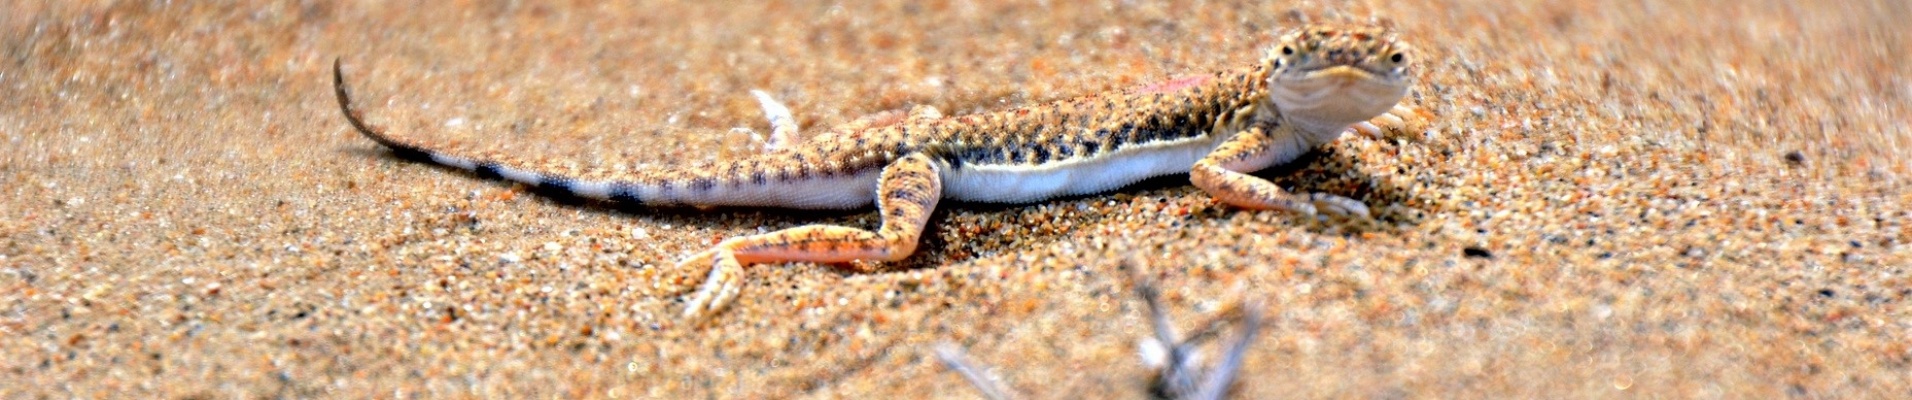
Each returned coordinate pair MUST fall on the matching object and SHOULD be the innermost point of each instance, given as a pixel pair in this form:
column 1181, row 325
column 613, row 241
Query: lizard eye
column 1397, row 58
column 1287, row 51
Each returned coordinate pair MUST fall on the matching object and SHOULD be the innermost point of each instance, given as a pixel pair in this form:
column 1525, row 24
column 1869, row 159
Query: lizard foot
column 1338, row 206
column 720, row 286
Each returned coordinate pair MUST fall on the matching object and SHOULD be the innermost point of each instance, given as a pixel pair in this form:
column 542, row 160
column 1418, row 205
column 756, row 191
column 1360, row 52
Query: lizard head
column 1324, row 78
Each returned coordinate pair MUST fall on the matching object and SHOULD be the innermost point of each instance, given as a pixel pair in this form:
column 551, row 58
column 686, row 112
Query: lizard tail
column 617, row 191
column 751, row 183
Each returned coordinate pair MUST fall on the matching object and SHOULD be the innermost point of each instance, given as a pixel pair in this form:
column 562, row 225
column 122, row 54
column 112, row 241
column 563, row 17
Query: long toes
column 719, row 288
column 1337, row 205
column 1365, row 128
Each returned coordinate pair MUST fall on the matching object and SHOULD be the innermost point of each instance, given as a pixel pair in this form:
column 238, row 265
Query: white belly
column 842, row 192
column 1074, row 176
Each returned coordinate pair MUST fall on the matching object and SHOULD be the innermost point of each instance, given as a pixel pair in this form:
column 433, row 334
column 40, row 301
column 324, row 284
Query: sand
column 1618, row 199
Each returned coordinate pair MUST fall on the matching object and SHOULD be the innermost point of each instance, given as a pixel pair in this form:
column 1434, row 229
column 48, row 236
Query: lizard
column 1315, row 84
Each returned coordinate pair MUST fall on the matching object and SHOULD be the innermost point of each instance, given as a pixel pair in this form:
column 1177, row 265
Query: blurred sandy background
column 1620, row 199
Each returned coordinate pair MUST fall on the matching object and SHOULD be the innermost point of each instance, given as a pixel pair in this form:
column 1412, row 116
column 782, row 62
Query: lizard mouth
column 1337, row 84
column 1336, row 69
column 1333, row 96
column 1340, row 75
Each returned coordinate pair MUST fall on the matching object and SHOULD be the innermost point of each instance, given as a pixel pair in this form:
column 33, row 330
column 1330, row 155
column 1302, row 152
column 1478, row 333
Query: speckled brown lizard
column 1316, row 84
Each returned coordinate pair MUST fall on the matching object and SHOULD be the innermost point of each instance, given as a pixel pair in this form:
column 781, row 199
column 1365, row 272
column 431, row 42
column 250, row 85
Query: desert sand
column 1616, row 199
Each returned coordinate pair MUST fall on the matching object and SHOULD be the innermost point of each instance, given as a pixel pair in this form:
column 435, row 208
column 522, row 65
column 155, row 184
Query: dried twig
column 1179, row 372
column 952, row 356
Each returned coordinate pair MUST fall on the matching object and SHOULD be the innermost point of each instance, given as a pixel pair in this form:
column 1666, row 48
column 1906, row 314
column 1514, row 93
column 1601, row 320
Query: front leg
column 906, row 193
column 1401, row 121
column 1223, row 173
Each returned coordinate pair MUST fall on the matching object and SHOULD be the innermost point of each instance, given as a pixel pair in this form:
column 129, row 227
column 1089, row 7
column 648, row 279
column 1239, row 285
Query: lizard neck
column 1309, row 131
column 1315, row 131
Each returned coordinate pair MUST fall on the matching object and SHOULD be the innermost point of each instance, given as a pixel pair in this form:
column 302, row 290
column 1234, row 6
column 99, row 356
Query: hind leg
column 906, row 194
column 783, row 126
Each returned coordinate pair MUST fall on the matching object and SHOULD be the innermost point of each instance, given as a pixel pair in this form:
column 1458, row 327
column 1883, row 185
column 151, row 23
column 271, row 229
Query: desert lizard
column 1314, row 85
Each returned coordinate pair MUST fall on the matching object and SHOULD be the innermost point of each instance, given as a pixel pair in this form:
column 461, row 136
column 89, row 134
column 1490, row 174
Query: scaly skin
column 1314, row 85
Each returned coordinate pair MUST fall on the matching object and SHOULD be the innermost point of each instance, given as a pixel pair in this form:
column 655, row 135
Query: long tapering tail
column 734, row 183
column 618, row 191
